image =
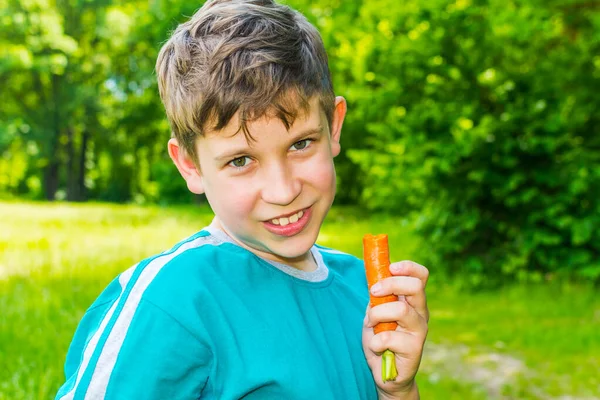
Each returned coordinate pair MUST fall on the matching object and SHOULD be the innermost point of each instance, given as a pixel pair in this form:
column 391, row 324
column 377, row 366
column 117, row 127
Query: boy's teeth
column 289, row 220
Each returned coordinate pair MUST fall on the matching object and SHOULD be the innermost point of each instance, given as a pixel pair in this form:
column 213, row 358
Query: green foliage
column 82, row 94
column 476, row 118
column 481, row 119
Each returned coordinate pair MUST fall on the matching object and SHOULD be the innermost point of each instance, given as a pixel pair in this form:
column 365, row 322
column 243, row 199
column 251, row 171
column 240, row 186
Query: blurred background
column 472, row 138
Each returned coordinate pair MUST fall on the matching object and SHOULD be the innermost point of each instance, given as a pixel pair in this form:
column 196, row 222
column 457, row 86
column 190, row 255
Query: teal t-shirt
column 208, row 319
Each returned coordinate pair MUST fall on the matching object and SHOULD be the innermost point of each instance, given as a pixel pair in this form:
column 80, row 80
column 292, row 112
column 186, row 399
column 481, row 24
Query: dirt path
column 489, row 370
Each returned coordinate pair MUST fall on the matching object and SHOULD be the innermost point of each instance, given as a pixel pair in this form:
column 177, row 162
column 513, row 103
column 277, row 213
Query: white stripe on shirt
column 91, row 345
column 110, row 350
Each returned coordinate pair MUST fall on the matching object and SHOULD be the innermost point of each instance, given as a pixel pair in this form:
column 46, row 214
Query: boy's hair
column 252, row 56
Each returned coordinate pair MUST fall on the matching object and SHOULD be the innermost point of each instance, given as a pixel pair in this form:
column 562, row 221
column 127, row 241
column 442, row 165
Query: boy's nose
column 280, row 186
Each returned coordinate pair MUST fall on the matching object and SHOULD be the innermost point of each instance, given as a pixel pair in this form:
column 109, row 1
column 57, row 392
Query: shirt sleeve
column 153, row 356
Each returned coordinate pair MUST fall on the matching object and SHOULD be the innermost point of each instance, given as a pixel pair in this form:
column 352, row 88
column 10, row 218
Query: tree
column 481, row 121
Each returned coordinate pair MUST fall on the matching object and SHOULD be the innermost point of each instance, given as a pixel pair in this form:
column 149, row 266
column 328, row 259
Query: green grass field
column 534, row 342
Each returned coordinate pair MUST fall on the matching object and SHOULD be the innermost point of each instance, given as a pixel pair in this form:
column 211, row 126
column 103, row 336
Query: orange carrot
column 377, row 266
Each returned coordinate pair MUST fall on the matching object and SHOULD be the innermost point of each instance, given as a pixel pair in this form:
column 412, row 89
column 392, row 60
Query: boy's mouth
column 290, row 224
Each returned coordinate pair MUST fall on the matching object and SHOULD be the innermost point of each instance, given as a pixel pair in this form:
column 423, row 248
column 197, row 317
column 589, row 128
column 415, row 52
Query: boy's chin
column 292, row 255
column 294, row 249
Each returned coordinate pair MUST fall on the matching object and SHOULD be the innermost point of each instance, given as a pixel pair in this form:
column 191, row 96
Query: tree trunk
column 51, row 179
column 72, row 192
column 81, row 170
column 51, row 172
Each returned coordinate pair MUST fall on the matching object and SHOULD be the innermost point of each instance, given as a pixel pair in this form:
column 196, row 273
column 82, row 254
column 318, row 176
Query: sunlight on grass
column 56, row 258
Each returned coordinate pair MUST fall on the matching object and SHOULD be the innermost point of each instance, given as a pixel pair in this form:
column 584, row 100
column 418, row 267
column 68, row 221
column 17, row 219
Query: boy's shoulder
column 191, row 269
column 186, row 263
column 171, row 271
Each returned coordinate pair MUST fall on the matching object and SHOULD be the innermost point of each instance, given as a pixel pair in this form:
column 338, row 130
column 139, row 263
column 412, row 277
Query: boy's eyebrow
column 245, row 149
column 308, row 132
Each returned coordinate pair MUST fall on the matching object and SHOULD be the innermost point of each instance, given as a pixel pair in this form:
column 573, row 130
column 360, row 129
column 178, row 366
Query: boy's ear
column 186, row 166
column 339, row 113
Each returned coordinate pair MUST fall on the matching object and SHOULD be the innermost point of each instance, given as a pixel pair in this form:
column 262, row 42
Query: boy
column 250, row 307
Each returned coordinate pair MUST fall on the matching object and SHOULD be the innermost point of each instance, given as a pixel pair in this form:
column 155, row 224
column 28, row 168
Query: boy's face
column 270, row 195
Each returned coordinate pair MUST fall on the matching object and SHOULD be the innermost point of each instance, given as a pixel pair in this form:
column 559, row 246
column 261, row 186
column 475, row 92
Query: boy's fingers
column 399, row 285
column 412, row 288
column 410, row 268
column 403, row 344
column 399, row 312
column 366, row 320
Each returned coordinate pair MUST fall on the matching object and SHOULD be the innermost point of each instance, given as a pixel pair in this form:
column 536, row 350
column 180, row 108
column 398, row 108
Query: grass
column 534, row 342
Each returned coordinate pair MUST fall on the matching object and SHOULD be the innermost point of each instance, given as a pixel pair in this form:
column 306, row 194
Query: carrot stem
column 388, row 366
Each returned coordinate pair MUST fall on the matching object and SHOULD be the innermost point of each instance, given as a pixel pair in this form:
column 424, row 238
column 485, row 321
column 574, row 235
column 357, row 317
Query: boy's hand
column 411, row 313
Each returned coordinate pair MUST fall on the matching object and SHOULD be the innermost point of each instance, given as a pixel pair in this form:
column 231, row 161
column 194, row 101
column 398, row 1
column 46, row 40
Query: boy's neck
column 305, row 263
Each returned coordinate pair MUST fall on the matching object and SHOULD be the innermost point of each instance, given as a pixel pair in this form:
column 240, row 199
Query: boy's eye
column 239, row 162
column 301, row 144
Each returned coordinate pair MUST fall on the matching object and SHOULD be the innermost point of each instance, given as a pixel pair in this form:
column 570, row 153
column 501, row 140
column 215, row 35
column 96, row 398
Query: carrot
column 377, row 267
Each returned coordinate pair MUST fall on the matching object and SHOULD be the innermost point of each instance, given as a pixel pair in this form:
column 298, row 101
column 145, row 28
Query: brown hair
column 252, row 56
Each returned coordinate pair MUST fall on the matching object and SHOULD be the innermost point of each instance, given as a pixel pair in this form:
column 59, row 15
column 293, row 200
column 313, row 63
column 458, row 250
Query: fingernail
column 376, row 288
column 396, row 267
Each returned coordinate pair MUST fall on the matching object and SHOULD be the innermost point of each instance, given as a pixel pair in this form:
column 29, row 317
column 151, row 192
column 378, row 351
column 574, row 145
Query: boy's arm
column 152, row 357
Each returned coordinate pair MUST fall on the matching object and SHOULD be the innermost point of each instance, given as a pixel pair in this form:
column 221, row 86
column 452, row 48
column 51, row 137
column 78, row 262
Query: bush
column 481, row 118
